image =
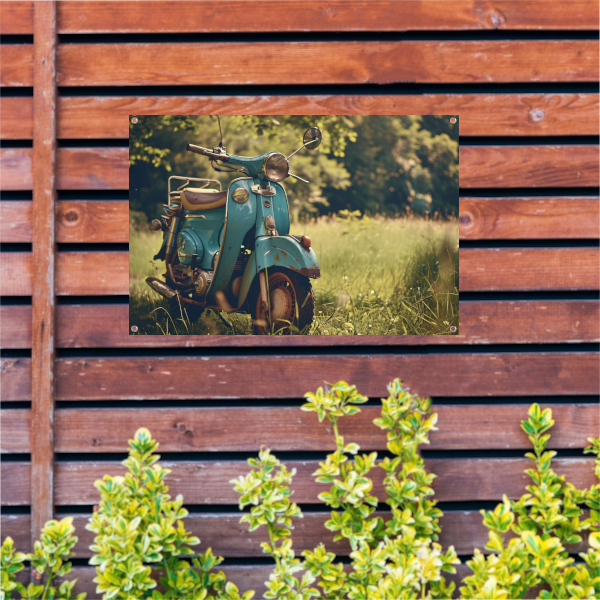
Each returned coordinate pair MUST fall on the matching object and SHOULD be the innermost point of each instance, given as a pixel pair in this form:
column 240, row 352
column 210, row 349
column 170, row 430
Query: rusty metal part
column 263, row 292
column 161, row 287
column 270, row 222
column 156, row 225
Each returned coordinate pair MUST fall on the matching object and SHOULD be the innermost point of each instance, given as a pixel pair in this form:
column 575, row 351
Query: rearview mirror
column 312, row 138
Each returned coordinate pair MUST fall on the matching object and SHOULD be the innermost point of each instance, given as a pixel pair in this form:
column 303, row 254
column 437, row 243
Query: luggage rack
column 171, row 195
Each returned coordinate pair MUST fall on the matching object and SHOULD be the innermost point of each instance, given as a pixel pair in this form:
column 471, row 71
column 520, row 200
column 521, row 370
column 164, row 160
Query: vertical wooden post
column 44, row 200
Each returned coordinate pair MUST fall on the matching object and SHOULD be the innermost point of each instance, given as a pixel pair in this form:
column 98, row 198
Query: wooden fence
column 522, row 76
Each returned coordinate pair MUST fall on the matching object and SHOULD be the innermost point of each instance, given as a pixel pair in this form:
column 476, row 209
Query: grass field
column 378, row 277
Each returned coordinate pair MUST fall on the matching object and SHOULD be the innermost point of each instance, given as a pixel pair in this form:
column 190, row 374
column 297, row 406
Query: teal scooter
column 231, row 250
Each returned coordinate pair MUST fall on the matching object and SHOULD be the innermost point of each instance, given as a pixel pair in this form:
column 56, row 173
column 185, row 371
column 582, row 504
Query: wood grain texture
column 529, row 218
column 43, row 261
column 16, row 69
column 84, row 221
column 333, row 15
column 290, row 429
column 92, row 273
column 232, row 63
column 90, row 221
column 16, row 326
column 251, row 377
column 481, row 167
column 93, row 169
column 16, row 431
column 460, row 479
column 529, row 166
column 16, row 114
column 15, row 478
column 529, row 269
column 77, row 273
column 16, row 17
column 15, row 221
column 16, row 379
column 15, row 169
column 507, row 322
column 105, row 117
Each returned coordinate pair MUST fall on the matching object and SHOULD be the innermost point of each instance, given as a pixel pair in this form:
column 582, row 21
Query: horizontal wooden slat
column 15, row 168
column 16, row 69
column 504, row 374
column 106, row 117
column 77, row 273
column 334, row 15
column 227, row 537
column 529, row 218
column 458, row 479
column 92, row 168
column 520, row 322
column 529, row 269
column 16, row 483
column 529, row 166
column 15, row 221
column 76, row 221
column 238, row 63
column 16, row 431
column 16, row 114
column 90, row 221
column 289, row 429
column 481, row 166
column 303, row 15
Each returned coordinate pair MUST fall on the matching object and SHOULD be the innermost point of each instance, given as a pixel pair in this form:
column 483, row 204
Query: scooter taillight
column 305, row 241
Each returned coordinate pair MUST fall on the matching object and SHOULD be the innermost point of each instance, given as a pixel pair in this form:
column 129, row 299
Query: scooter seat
column 202, row 199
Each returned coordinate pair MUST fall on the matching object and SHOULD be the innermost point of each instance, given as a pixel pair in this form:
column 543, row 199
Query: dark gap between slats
column 294, row 351
column 18, row 405
column 15, row 510
column 92, row 194
column 16, row 38
column 527, row 296
column 14, row 300
column 320, row 36
column 520, row 140
column 517, row 244
column 288, row 456
column 525, row 192
column 14, row 92
column 17, row 144
column 93, row 143
column 334, row 89
column 93, row 247
column 15, row 458
column 375, row 401
column 16, row 247
column 8, row 196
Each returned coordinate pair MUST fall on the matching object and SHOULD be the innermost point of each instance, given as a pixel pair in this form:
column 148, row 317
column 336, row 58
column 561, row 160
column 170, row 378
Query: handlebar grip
column 197, row 149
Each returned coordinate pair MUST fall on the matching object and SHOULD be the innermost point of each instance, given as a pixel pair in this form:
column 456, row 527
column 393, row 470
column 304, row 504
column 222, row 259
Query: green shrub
column 142, row 549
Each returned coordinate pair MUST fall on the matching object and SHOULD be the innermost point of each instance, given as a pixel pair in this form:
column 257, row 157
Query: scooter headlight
column 276, row 167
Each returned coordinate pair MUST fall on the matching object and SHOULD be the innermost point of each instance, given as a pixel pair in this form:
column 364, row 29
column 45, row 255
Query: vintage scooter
column 232, row 251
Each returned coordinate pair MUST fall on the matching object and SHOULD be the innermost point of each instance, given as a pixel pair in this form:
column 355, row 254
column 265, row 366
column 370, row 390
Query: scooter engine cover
column 188, row 244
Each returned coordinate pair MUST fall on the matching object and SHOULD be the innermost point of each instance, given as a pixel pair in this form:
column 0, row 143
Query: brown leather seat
column 202, row 199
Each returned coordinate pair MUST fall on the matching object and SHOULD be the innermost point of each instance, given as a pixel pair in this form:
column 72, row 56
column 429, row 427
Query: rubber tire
column 301, row 288
column 193, row 312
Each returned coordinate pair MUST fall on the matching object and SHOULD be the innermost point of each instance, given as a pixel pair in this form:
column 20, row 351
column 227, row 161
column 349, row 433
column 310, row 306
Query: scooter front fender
column 278, row 251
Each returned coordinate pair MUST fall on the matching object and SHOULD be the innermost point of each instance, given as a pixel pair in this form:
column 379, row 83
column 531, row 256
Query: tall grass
column 378, row 277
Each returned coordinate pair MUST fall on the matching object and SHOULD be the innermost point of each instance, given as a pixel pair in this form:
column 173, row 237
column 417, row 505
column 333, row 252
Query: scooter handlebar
column 206, row 152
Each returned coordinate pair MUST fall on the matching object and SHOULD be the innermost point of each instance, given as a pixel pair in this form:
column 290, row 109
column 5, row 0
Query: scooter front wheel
column 291, row 300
